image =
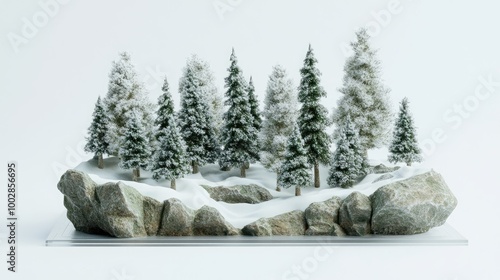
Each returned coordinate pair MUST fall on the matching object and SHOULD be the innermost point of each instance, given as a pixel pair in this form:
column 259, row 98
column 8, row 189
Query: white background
column 434, row 53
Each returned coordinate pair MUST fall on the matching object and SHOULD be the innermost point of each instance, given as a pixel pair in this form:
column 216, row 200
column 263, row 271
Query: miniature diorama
column 219, row 166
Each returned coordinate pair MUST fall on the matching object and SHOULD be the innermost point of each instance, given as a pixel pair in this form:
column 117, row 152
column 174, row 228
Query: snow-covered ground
column 190, row 192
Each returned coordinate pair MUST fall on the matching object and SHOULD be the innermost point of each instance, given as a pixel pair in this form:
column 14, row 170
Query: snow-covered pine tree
column 404, row 146
column 313, row 116
column 257, row 121
column 165, row 110
column 238, row 129
column 295, row 167
column 364, row 98
column 134, row 150
column 170, row 158
column 280, row 115
column 97, row 140
column 195, row 122
column 206, row 82
column 349, row 162
column 126, row 93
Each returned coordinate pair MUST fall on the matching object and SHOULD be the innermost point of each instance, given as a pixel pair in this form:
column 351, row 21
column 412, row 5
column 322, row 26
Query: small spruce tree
column 238, row 130
column 313, row 116
column 349, row 162
column 97, row 140
column 165, row 110
column 294, row 171
column 257, row 121
column 170, row 158
column 404, row 146
column 134, row 150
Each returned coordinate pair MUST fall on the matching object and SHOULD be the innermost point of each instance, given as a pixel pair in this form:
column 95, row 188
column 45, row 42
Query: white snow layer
column 194, row 196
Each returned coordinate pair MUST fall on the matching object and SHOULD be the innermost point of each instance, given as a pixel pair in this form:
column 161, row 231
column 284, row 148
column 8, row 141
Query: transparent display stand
column 64, row 234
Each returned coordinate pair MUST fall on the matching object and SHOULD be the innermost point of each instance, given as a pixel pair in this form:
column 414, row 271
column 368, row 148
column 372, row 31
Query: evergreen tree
column 170, row 158
column 280, row 114
column 295, row 167
column 126, row 93
column 196, row 123
column 165, row 110
column 364, row 97
column 206, row 82
column 97, row 140
column 313, row 117
column 134, row 148
column 257, row 121
column 349, row 162
column 238, row 127
column 404, row 146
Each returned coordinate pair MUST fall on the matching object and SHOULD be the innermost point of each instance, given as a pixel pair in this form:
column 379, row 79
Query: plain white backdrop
column 54, row 62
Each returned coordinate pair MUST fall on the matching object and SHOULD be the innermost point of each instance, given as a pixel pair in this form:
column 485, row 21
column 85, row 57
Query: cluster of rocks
column 406, row 207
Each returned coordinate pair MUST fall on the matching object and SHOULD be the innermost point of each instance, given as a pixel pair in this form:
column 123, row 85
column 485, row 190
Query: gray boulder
column 383, row 177
column 380, row 169
column 412, row 206
column 355, row 214
column 321, row 217
column 251, row 194
column 208, row 221
column 152, row 215
column 177, row 219
column 290, row 224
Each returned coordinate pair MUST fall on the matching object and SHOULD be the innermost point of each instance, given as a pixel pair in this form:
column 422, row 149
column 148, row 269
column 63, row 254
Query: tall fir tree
column 364, row 97
column 97, row 140
column 238, row 130
column 165, row 110
column 257, row 121
column 349, row 162
column 134, row 150
column 313, row 117
column 195, row 122
column 404, row 146
column 280, row 115
column 295, row 167
column 126, row 93
column 170, row 159
column 205, row 79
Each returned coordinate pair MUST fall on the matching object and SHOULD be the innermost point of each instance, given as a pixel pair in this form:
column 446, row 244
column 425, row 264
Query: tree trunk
column 247, row 165
column 100, row 162
column 243, row 171
column 278, row 189
column 408, row 163
column 135, row 177
column 138, row 172
column 316, row 175
column 297, row 191
column 172, row 184
column 195, row 167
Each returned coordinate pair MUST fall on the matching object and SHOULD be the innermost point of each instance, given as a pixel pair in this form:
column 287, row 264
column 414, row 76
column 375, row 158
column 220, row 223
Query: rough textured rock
column 121, row 210
column 322, row 216
column 152, row 215
column 355, row 214
column 380, row 169
column 337, row 230
column 383, row 177
column 177, row 219
column 251, row 194
column 208, row 221
column 412, row 206
column 291, row 224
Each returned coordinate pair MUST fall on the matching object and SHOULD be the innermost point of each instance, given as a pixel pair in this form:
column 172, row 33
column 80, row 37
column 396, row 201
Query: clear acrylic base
column 64, row 234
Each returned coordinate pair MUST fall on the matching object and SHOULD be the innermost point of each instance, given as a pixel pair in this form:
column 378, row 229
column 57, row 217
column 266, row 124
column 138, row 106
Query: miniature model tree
column 165, row 110
column 195, row 122
column 295, row 167
column 349, row 162
column 313, row 117
column 135, row 150
column 404, row 146
column 206, row 83
column 126, row 93
column 257, row 121
column 280, row 114
column 97, row 140
column 170, row 158
column 365, row 98
column 238, row 131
